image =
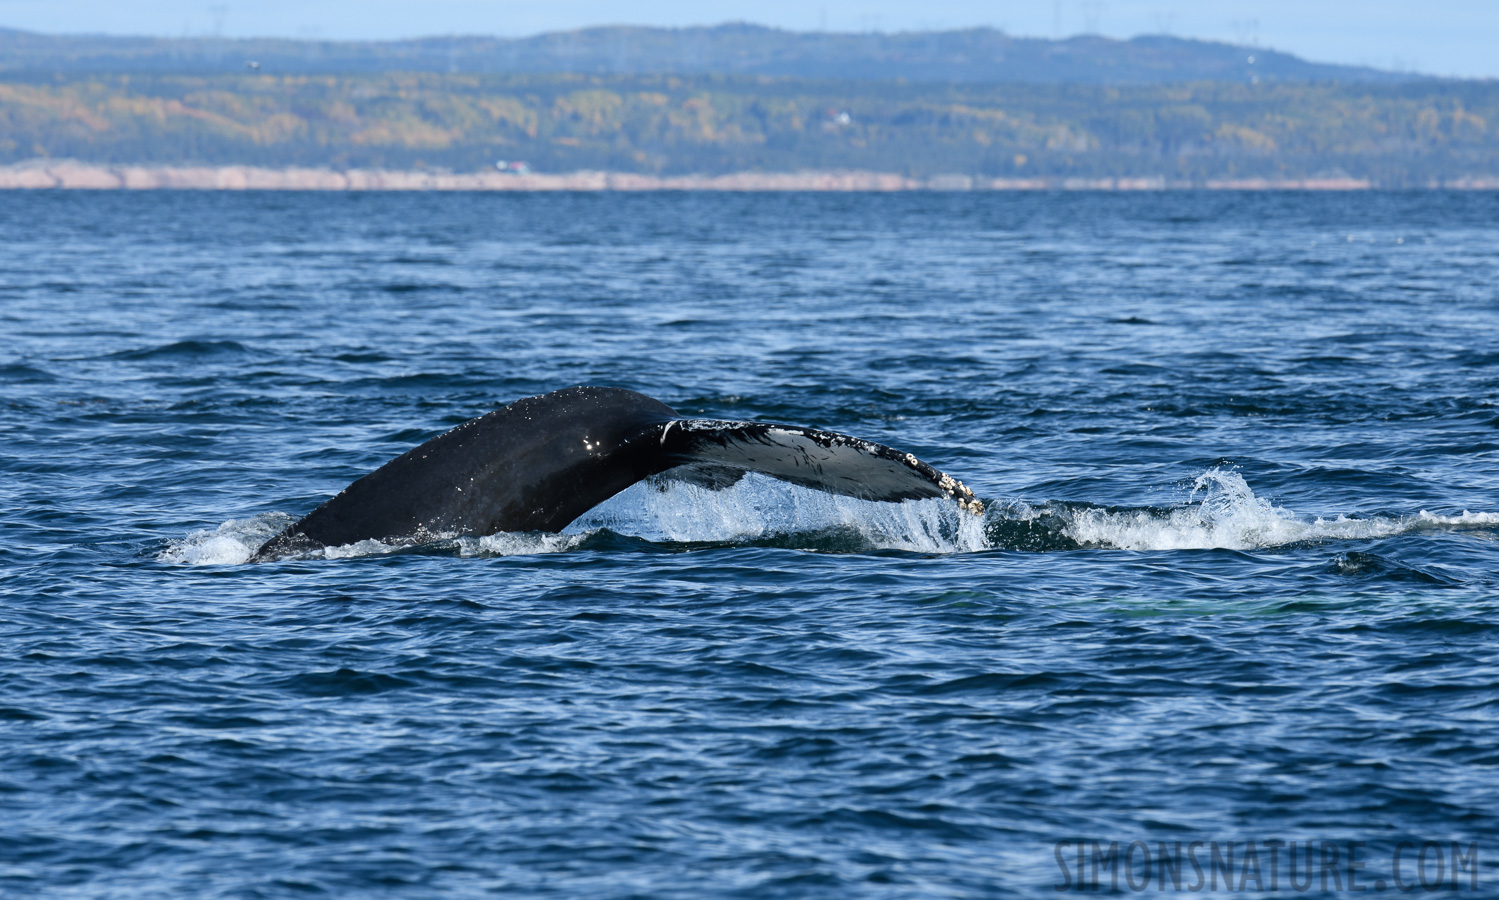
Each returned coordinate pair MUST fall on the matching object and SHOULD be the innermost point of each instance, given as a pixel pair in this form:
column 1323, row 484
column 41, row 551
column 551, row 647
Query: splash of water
column 759, row 507
column 236, row 540
column 507, row 543
column 1221, row 512
column 229, row 544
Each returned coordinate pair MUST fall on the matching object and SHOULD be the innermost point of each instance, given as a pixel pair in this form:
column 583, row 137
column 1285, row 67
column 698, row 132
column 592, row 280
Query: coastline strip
column 75, row 175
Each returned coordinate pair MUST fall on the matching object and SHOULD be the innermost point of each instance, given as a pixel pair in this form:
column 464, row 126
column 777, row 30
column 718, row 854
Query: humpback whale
column 539, row 463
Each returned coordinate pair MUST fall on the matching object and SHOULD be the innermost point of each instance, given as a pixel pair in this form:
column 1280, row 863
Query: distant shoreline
column 73, row 175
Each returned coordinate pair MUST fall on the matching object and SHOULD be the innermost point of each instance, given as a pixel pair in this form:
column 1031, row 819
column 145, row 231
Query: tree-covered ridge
column 973, row 55
column 1392, row 134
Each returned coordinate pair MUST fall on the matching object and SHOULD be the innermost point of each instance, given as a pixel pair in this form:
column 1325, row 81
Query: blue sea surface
column 1236, row 579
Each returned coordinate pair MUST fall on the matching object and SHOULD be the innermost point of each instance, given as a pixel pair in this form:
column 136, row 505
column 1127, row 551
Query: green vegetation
column 1395, row 135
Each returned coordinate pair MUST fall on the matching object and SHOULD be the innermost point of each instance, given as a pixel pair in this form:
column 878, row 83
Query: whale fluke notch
column 539, row 463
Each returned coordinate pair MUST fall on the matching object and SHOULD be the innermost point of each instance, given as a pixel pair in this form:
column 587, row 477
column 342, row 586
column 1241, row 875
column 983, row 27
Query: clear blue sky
column 1443, row 37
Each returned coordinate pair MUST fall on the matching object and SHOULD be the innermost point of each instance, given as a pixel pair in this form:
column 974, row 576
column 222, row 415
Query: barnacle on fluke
column 539, row 463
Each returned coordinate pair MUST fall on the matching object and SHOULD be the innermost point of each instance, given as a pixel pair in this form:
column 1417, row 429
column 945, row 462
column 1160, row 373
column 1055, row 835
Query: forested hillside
column 975, row 55
column 1395, row 135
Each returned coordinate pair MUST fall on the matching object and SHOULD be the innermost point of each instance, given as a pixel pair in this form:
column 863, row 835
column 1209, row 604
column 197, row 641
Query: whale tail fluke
column 539, row 463
column 823, row 460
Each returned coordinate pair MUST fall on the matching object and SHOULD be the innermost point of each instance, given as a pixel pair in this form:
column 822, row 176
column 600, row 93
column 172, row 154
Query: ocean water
column 1236, row 580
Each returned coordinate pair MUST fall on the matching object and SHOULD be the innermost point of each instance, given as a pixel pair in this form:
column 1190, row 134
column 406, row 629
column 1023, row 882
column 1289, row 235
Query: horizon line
column 874, row 32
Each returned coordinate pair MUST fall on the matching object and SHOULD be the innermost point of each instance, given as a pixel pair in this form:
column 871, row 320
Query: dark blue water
column 1236, row 580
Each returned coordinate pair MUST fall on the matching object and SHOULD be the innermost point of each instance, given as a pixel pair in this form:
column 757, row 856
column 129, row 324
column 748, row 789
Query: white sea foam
column 1221, row 512
column 236, row 540
column 229, row 544
column 518, row 544
column 1224, row 513
column 366, row 547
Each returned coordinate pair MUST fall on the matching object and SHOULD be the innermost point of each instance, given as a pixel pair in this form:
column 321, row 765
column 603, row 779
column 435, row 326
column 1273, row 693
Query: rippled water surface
column 1236, row 579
